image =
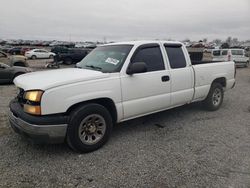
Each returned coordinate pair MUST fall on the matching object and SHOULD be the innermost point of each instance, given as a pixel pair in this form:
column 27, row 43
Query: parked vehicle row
column 67, row 55
column 112, row 84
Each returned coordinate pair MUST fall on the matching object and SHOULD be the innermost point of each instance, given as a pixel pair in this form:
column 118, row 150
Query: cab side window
column 176, row 56
column 216, row 53
column 151, row 56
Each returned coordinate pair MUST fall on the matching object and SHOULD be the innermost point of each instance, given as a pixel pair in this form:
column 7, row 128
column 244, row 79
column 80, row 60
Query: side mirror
column 137, row 67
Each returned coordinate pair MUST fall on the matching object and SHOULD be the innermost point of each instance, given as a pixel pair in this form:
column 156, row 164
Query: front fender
column 59, row 99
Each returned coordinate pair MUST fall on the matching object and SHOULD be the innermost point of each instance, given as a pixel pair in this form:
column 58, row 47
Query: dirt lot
column 183, row 147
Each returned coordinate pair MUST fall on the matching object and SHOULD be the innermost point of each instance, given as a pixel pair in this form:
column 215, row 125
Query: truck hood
column 44, row 80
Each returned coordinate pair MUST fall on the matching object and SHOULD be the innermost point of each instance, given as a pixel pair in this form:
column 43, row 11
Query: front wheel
column 89, row 128
column 214, row 98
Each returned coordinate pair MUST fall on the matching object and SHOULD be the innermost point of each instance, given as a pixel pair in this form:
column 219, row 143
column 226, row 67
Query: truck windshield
column 106, row 58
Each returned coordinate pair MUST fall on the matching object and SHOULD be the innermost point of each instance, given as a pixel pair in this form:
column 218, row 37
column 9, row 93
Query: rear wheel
column 33, row 57
column 51, row 56
column 89, row 128
column 214, row 98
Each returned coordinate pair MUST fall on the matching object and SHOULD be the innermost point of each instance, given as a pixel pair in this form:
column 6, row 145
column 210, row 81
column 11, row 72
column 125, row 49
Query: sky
column 120, row 20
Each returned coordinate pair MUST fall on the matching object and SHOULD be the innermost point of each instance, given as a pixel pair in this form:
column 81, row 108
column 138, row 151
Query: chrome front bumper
column 38, row 133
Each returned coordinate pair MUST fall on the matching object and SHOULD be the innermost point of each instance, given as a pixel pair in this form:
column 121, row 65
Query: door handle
column 165, row 78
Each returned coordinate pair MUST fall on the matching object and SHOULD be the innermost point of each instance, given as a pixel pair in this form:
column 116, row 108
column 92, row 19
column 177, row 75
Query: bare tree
column 217, row 41
column 235, row 42
column 229, row 41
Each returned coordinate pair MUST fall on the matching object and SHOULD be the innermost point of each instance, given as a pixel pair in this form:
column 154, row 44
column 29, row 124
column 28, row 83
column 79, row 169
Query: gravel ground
column 183, row 147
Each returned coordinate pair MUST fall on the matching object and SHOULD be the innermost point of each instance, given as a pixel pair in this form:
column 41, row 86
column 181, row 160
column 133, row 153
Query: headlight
column 34, row 96
column 32, row 106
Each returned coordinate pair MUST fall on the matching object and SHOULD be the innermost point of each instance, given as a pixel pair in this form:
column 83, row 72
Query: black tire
column 51, row 57
column 19, row 64
column 76, row 122
column 67, row 61
column 33, row 57
column 213, row 101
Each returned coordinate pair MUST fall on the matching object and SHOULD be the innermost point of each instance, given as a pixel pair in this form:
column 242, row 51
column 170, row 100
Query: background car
column 5, row 48
column 25, row 49
column 8, row 73
column 73, row 55
column 13, row 60
column 39, row 54
column 59, row 49
column 15, row 51
column 4, row 58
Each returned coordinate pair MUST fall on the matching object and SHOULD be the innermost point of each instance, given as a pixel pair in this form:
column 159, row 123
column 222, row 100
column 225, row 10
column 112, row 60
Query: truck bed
column 207, row 72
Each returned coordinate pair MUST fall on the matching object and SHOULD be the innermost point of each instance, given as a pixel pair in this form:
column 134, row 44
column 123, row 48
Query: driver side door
column 144, row 93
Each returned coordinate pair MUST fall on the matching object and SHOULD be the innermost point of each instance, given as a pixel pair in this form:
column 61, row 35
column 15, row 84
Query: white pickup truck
column 114, row 83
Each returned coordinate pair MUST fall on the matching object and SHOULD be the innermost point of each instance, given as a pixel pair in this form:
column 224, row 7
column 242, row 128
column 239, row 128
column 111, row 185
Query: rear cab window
column 216, row 52
column 224, row 52
column 175, row 55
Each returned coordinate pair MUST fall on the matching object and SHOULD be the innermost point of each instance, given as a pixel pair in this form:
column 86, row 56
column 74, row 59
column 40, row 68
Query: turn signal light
column 35, row 110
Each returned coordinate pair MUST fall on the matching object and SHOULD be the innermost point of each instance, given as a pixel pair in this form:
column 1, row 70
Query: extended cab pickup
column 114, row 83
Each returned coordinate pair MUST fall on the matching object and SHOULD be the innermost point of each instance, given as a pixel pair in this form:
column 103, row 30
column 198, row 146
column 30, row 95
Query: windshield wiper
column 94, row 67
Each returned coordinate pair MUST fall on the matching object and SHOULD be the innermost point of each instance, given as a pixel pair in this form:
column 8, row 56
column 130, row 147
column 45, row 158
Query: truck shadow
column 169, row 120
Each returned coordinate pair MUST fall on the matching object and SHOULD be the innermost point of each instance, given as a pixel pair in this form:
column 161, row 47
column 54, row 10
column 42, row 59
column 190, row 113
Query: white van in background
column 236, row 55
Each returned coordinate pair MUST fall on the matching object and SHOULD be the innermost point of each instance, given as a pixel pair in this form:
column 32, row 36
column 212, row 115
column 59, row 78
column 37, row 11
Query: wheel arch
column 220, row 80
column 106, row 102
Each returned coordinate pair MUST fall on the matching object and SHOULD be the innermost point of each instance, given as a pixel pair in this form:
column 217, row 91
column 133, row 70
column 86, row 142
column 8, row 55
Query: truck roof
column 140, row 42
